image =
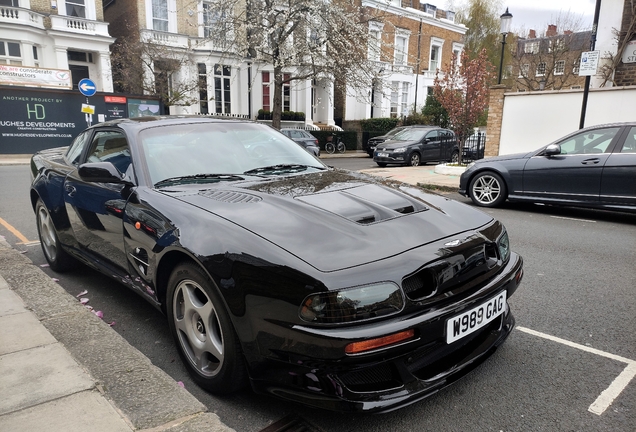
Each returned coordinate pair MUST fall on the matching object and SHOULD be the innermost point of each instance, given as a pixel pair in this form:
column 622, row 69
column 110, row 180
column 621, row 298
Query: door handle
column 591, row 161
column 70, row 190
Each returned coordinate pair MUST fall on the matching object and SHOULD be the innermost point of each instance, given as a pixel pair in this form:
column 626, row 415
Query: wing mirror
column 100, row 172
column 552, row 150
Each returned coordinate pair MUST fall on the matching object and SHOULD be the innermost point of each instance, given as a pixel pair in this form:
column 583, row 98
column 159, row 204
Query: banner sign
column 36, row 119
column 24, row 75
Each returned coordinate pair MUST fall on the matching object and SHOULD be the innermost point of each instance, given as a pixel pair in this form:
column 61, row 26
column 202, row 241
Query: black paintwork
column 595, row 180
column 267, row 242
column 435, row 144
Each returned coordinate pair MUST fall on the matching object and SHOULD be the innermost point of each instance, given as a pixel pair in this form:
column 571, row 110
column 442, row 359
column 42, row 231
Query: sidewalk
column 64, row 369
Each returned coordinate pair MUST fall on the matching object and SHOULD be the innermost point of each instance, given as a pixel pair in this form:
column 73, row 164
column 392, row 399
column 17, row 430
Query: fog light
column 372, row 344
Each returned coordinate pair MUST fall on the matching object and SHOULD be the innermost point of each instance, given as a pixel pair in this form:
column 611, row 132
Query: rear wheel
column 487, row 189
column 341, row 147
column 203, row 331
column 455, row 157
column 59, row 260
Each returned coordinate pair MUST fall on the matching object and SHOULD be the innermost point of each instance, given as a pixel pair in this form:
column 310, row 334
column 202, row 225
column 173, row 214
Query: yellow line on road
column 14, row 231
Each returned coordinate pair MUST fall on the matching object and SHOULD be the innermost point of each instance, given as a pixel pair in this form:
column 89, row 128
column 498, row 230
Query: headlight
column 399, row 150
column 503, row 243
column 352, row 304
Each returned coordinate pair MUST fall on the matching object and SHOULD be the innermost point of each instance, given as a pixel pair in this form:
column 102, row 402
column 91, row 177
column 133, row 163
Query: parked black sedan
column 303, row 138
column 593, row 167
column 417, row 144
column 320, row 286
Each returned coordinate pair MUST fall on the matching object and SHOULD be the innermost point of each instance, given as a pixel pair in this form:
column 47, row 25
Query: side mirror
column 100, row 172
column 552, row 150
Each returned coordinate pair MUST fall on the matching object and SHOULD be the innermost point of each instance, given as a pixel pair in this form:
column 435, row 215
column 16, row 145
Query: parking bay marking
column 573, row 219
column 606, row 398
column 14, row 231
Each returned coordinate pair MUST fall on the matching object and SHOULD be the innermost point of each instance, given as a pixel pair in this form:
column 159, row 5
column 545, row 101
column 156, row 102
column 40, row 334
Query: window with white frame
column 78, row 8
column 160, row 15
column 222, row 89
column 541, row 69
column 203, row 88
column 405, row 98
column 215, row 22
column 576, row 66
column 394, row 99
column 374, row 45
column 559, row 67
column 401, row 48
column 435, row 60
column 507, row 72
column 532, row 47
column 36, row 57
column 10, row 53
column 524, row 70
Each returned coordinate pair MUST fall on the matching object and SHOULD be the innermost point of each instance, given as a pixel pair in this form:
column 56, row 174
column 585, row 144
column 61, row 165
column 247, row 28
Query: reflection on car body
column 321, row 286
column 594, row 167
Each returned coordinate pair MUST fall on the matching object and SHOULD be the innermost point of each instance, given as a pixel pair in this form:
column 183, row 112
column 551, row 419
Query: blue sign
column 87, row 87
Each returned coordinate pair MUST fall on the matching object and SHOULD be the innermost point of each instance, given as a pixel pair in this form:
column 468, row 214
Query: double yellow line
column 15, row 232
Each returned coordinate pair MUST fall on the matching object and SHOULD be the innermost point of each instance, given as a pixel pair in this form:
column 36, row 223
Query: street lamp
column 506, row 18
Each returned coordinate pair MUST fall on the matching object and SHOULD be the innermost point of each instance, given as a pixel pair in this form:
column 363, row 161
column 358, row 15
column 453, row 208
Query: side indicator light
column 137, row 225
column 519, row 276
column 372, row 344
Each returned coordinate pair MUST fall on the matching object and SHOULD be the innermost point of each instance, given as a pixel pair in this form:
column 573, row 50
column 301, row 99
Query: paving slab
column 22, row 331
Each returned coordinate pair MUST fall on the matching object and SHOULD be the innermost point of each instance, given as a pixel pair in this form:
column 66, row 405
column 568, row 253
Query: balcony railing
column 21, row 16
column 164, row 38
column 79, row 25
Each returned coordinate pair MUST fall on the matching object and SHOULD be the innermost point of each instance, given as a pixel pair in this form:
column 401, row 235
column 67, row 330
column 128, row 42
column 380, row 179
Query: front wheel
column 454, row 157
column 487, row 189
column 330, row 148
column 203, row 332
column 341, row 147
column 414, row 159
column 59, row 260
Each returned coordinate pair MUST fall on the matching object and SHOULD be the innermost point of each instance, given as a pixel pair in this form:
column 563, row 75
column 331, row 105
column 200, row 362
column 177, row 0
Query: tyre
column 414, row 159
column 454, row 157
column 341, row 148
column 487, row 189
column 381, row 164
column 330, row 148
column 203, row 331
column 59, row 260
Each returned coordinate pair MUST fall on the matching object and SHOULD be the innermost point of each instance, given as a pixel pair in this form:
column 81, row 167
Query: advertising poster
column 37, row 119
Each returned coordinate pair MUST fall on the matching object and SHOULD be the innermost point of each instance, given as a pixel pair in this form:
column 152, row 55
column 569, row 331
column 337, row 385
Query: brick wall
column 495, row 117
column 625, row 74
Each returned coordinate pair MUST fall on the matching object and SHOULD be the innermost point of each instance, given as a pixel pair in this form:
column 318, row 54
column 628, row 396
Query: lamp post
column 506, row 18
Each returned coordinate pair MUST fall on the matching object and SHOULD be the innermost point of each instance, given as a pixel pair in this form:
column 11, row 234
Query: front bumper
column 392, row 377
column 391, row 158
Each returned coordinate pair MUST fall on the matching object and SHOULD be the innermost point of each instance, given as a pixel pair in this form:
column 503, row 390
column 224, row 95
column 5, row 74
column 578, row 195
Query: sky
column 537, row 14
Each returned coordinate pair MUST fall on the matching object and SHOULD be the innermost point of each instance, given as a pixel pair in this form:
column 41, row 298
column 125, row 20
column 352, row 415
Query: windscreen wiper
column 195, row 177
column 281, row 168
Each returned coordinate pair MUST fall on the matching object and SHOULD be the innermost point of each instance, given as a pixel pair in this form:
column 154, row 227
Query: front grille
column 374, row 378
column 421, row 285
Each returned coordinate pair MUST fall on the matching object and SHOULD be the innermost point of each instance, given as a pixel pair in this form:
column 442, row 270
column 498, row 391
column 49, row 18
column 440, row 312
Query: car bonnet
column 335, row 219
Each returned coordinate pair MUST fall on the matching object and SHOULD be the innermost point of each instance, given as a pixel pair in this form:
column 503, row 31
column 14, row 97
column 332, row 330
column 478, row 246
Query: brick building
column 625, row 70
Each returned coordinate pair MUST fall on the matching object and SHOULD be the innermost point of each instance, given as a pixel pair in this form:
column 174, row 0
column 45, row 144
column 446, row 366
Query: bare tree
column 301, row 39
column 146, row 67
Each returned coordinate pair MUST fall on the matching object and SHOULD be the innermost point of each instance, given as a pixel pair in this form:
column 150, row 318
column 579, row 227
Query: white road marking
column 574, row 219
column 616, row 387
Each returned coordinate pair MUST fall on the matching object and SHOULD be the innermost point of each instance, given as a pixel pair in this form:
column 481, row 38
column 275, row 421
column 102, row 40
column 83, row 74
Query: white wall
column 532, row 120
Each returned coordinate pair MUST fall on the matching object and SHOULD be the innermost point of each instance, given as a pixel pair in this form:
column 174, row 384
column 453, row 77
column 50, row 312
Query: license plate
column 468, row 322
column 383, row 154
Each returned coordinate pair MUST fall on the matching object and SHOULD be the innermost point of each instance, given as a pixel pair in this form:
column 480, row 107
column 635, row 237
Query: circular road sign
column 87, row 87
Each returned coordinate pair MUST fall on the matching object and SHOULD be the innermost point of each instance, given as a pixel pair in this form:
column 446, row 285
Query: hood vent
column 365, row 205
column 230, row 197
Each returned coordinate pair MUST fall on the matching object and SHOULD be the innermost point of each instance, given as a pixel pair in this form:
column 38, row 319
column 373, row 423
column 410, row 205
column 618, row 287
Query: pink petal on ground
column 84, row 300
column 44, row 265
column 82, row 293
column 111, row 323
column 90, row 308
column 23, row 252
column 99, row 314
column 55, row 280
column 181, row 384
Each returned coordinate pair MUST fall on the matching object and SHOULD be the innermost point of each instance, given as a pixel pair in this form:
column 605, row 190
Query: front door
column 96, row 210
column 431, row 147
column 574, row 174
column 618, row 184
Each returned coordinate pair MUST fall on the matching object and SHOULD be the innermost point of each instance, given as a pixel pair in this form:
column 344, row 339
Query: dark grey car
column 592, row 167
column 415, row 145
column 303, row 138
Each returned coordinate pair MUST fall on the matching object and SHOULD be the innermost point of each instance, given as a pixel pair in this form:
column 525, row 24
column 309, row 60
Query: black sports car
column 322, row 286
column 593, row 167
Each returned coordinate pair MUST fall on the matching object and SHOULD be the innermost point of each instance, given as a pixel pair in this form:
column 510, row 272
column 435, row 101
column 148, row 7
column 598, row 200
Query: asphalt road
column 579, row 287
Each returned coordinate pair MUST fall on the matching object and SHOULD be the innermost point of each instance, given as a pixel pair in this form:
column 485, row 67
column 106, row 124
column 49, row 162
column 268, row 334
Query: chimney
column 532, row 34
column 552, row 30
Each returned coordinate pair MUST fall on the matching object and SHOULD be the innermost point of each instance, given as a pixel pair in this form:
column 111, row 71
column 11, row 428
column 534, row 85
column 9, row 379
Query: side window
column 110, row 146
column 590, row 142
column 75, row 149
column 432, row 136
column 630, row 142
